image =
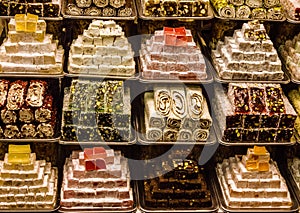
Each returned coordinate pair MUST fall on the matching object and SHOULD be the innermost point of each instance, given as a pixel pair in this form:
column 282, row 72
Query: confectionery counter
column 97, row 112
column 174, row 10
column 95, row 9
column 253, row 183
column 249, row 113
column 174, row 115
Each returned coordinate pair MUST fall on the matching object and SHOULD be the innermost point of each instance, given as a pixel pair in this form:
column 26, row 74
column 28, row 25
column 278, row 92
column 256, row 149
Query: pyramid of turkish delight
column 27, row 109
column 249, row 54
column 102, row 49
column 253, row 181
column 172, row 54
column 252, row 112
column 176, row 114
column 96, row 178
column 29, row 49
column 96, row 111
column 27, row 183
column 290, row 52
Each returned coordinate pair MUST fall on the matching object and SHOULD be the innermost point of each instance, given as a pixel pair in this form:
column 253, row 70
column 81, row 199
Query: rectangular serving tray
column 148, row 209
column 228, row 209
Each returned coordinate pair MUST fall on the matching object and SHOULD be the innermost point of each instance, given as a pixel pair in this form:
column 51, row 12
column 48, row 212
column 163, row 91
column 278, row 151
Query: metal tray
column 140, row 10
column 291, row 180
column 102, row 210
column 140, row 131
column 132, row 17
column 149, row 209
column 133, row 77
column 208, row 80
column 226, row 208
column 216, row 14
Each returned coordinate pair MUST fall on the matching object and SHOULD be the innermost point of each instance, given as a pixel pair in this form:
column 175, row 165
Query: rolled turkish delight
column 35, row 93
column 93, row 11
column 155, row 119
column 26, row 115
column 118, row 3
column 11, row 131
column 275, row 13
column 152, row 133
column 16, row 93
column 162, row 101
column 200, row 134
column 101, row 3
column 239, row 97
column 8, row 116
column 259, row 13
column 194, row 99
column 45, row 113
column 72, row 9
column 243, row 12
column 237, row 2
column 179, row 107
column 109, row 12
column 185, row 135
column 227, row 11
column 170, row 135
column 173, row 122
column 205, row 121
column 28, row 131
column 45, row 130
column 254, row 3
column 271, row 3
column 3, row 91
column 4, row 6
column 51, row 9
column 83, row 3
column 124, row 12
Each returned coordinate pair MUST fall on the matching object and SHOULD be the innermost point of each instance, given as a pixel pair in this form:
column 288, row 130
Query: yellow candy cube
column 15, row 149
column 20, row 22
column 19, row 158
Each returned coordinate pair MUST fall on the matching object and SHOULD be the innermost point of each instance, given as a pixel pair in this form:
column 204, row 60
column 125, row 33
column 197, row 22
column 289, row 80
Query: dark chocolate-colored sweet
column 121, row 120
column 51, row 10
column 267, row 135
column 233, row 135
column 241, row 100
column 200, row 9
column 257, row 103
column 234, row 121
column 35, row 8
column 169, row 8
column 4, row 8
column 287, row 121
column 69, row 132
column 284, row 135
column 250, row 135
column 270, row 121
column 251, row 121
column 185, row 8
column 17, row 8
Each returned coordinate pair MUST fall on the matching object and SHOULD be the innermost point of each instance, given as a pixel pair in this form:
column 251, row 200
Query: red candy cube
column 90, row 165
column 88, row 153
column 100, row 164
